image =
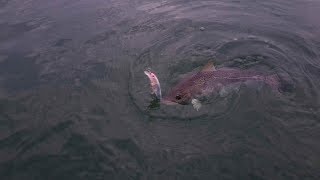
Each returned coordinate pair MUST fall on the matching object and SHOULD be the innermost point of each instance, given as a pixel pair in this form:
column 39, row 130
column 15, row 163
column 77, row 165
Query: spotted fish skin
column 208, row 81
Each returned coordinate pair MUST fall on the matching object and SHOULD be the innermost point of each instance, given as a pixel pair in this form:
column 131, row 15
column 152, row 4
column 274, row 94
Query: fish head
column 178, row 95
column 187, row 89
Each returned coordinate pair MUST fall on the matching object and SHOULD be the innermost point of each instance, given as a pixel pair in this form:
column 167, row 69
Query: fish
column 154, row 84
column 210, row 80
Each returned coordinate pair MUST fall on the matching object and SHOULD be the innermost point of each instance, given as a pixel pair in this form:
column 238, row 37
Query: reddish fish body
column 209, row 81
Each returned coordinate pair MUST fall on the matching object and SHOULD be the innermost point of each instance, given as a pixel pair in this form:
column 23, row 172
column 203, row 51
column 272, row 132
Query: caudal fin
column 274, row 82
column 280, row 85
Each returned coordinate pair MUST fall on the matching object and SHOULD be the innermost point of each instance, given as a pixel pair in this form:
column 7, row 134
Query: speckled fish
column 211, row 80
column 154, row 84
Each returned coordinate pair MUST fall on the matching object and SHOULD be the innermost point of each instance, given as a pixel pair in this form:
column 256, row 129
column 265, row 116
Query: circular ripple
column 183, row 48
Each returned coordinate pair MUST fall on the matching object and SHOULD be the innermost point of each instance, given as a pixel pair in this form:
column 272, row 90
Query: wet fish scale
column 208, row 81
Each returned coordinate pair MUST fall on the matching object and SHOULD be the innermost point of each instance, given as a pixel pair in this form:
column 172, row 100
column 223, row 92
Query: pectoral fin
column 196, row 104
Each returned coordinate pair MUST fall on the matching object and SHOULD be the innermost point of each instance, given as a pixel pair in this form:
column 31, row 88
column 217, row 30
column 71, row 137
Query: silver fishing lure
column 154, row 84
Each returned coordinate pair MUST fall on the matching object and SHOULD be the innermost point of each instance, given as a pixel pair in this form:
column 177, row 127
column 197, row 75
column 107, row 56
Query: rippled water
column 75, row 104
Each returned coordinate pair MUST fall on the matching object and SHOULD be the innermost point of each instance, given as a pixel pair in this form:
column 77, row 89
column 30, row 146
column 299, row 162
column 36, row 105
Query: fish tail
column 273, row 81
column 280, row 83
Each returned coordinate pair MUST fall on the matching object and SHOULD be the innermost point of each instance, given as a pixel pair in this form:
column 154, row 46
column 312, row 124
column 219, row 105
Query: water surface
column 75, row 104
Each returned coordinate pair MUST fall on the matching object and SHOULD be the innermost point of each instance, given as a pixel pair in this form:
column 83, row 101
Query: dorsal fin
column 208, row 67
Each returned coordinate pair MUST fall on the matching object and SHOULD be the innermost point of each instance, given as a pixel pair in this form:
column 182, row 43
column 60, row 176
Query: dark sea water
column 75, row 103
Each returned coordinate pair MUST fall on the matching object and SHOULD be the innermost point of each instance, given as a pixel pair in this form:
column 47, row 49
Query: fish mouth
column 167, row 102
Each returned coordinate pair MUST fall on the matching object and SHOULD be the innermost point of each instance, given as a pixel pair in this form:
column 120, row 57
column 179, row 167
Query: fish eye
column 178, row 97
